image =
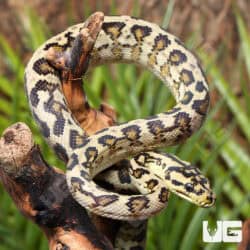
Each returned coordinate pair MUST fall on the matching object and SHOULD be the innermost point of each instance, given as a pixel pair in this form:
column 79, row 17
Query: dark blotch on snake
column 61, row 152
column 59, row 126
column 43, row 126
column 200, row 86
column 74, row 161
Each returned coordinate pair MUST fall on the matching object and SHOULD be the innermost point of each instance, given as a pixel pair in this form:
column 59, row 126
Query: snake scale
column 130, row 40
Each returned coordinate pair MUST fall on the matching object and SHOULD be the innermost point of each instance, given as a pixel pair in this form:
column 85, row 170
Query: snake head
column 189, row 183
column 179, row 176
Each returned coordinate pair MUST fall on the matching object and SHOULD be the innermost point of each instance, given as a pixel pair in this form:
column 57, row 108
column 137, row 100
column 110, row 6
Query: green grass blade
column 244, row 39
column 226, row 93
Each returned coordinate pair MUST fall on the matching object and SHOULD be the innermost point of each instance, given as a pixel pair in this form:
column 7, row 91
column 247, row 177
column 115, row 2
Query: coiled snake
column 125, row 39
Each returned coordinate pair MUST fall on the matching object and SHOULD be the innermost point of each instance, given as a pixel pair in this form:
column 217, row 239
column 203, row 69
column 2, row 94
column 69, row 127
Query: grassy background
column 220, row 148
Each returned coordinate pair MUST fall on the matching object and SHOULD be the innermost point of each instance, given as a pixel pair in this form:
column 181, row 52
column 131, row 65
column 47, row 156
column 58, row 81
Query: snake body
column 131, row 40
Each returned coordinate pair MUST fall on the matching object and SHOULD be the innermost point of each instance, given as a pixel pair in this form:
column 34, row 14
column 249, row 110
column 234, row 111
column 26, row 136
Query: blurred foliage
column 219, row 148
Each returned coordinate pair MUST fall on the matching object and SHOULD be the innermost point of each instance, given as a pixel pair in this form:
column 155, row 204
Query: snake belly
column 122, row 39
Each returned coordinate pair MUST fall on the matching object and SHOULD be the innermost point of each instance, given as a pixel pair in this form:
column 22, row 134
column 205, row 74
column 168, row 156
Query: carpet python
column 130, row 40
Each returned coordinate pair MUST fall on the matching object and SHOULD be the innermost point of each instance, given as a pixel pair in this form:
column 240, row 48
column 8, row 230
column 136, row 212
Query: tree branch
column 245, row 243
column 41, row 194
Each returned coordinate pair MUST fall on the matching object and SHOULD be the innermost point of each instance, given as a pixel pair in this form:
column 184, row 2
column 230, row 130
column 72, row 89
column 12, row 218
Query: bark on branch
column 41, row 194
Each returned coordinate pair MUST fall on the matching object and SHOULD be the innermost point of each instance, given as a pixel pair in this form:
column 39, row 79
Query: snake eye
column 189, row 187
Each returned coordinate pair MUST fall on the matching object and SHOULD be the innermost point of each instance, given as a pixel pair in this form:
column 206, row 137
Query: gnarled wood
column 41, row 194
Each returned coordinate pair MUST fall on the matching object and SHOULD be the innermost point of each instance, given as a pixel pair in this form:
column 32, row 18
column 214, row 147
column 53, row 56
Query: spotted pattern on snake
column 130, row 40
